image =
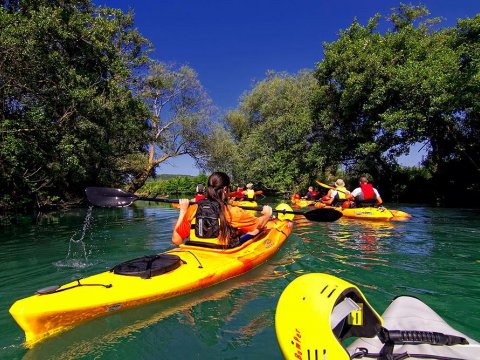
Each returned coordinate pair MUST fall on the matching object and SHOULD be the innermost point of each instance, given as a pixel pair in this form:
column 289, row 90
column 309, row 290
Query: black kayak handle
column 399, row 337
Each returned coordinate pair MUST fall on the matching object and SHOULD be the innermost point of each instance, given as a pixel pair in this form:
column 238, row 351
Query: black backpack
column 207, row 219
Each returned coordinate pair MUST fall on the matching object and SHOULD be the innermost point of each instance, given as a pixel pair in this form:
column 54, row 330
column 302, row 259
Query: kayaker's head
column 249, row 186
column 363, row 180
column 340, row 183
column 218, row 185
column 200, row 189
column 310, row 188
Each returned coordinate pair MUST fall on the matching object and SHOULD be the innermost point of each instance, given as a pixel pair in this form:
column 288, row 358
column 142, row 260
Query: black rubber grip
column 399, row 337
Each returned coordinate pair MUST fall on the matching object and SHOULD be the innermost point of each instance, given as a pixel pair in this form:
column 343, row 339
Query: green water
column 435, row 257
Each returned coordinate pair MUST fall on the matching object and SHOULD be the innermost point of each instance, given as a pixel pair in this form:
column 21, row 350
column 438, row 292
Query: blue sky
column 232, row 44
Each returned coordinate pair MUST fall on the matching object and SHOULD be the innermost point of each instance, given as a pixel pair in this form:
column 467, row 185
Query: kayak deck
column 41, row 316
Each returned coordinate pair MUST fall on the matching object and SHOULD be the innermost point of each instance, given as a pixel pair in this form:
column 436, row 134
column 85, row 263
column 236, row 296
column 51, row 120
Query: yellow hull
column 42, row 316
column 371, row 213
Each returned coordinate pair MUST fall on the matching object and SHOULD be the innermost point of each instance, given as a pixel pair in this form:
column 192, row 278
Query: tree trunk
column 140, row 179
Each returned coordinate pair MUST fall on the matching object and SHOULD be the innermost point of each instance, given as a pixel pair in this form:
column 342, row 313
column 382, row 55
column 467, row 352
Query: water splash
column 77, row 256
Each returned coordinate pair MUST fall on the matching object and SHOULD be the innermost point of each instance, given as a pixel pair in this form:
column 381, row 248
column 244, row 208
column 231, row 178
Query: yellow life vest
column 250, row 194
column 341, row 192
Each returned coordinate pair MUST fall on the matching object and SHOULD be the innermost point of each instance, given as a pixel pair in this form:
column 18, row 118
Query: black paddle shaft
column 110, row 197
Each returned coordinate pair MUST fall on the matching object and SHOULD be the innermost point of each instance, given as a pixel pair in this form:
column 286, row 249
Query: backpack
column 207, row 219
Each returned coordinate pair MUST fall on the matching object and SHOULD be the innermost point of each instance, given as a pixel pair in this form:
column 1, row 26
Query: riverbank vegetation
column 84, row 105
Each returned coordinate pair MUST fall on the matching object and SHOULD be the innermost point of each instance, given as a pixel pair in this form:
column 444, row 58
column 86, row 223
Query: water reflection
column 364, row 236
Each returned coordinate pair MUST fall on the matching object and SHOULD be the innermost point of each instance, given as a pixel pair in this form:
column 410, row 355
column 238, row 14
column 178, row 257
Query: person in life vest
column 249, row 194
column 311, row 194
column 212, row 222
column 366, row 194
column 339, row 195
column 200, row 193
column 238, row 194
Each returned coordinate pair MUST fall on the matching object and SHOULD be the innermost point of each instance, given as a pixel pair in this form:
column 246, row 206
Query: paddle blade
column 323, row 215
column 108, row 197
column 285, row 212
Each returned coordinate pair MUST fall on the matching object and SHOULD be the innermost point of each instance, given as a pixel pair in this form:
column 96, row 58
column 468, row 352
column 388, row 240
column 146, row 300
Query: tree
column 385, row 92
column 180, row 116
column 271, row 129
column 67, row 114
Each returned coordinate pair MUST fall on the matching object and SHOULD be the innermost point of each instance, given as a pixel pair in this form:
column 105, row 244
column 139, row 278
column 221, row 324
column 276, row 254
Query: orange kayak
column 301, row 203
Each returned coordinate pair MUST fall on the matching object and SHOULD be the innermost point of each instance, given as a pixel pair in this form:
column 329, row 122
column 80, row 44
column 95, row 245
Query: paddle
column 109, row 197
column 330, row 187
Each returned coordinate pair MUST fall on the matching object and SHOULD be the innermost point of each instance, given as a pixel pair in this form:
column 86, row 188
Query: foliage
column 412, row 84
column 376, row 94
column 180, row 116
column 271, row 133
column 82, row 105
column 68, row 117
column 185, row 185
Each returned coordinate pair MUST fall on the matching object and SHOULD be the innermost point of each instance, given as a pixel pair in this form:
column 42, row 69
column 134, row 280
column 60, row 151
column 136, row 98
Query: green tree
column 180, row 116
column 272, row 132
column 385, row 92
column 68, row 116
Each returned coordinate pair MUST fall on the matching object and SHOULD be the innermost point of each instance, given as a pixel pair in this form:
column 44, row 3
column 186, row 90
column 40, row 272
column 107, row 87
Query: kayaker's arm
column 379, row 201
column 266, row 214
column 176, row 238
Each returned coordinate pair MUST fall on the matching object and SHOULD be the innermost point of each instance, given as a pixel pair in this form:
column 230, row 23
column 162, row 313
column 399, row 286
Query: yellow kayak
column 317, row 313
column 370, row 213
column 301, row 203
column 185, row 269
column 245, row 203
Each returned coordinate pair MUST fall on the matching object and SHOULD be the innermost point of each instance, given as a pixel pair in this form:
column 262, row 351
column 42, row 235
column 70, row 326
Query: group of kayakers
column 238, row 195
column 338, row 195
column 213, row 221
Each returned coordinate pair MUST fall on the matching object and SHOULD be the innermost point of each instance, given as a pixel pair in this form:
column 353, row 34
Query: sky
column 231, row 44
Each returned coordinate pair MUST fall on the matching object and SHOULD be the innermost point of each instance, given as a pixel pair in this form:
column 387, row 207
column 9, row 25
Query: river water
column 435, row 256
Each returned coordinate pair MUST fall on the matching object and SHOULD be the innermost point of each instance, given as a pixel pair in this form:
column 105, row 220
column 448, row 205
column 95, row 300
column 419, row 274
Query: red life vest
column 237, row 194
column 199, row 197
column 367, row 190
column 311, row 195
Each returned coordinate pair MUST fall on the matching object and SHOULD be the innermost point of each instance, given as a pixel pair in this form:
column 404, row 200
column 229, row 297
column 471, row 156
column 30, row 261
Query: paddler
column 200, row 193
column 311, row 194
column 249, row 194
column 238, row 194
column 366, row 195
column 212, row 222
column 340, row 196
